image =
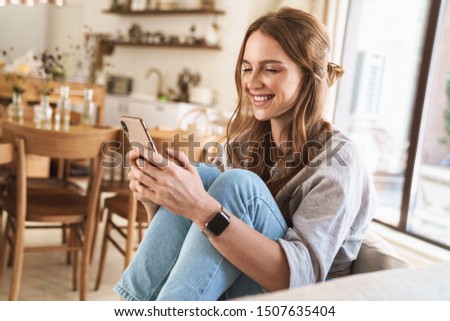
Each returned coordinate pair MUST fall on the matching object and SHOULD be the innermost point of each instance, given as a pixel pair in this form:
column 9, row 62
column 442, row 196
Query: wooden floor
column 46, row 276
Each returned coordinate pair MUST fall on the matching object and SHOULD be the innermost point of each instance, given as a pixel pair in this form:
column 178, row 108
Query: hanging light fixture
column 31, row 3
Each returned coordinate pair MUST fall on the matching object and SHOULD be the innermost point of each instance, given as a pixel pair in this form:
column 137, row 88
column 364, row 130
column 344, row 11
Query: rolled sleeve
column 330, row 213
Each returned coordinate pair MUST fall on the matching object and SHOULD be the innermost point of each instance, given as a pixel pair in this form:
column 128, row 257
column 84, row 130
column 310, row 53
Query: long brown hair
column 306, row 42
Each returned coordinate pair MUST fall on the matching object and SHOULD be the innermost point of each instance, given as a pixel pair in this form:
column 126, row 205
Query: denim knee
column 247, row 196
column 240, row 177
column 208, row 174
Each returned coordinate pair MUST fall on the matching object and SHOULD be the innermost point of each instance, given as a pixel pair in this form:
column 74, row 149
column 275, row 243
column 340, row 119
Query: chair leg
column 131, row 228
column 74, row 256
column 66, row 234
column 16, row 276
column 4, row 253
column 1, row 225
column 98, row 219
column 101, row 263
column 86, row 256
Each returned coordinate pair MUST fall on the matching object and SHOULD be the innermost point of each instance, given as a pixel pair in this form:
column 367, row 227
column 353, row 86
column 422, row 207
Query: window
column 383, row 103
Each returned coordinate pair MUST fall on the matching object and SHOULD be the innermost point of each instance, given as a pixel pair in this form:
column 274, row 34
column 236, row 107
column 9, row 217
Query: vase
column 43, row 116
column 87, row 118
column 63, row 109
column 15, row 110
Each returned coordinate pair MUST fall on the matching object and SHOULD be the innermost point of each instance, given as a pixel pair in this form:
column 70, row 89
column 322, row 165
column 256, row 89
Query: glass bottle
column 89, row 108
column 46, row 112
column 15, row 110
column 62, row 116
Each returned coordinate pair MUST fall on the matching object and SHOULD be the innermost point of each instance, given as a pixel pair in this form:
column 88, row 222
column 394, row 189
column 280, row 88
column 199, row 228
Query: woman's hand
column 178, row 188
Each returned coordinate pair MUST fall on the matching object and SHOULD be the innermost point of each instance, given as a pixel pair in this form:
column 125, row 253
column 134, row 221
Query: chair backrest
column 116, row 171
column 377, row 254
column 78, row 143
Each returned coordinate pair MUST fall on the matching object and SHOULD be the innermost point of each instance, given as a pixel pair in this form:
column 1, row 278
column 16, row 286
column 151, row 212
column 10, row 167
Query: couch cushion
column 430, row 282
column 377, row 254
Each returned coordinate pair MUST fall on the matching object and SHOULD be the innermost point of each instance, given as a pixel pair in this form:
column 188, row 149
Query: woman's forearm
column 259, row 257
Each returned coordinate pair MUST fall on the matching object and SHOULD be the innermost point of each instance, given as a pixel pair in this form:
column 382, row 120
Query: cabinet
column 170, row 115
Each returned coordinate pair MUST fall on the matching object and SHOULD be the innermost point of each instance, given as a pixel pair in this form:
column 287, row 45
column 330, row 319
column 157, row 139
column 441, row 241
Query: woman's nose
column 254, row 81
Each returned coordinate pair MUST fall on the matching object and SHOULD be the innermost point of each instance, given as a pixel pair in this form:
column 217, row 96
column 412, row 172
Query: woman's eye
column 272, row 70
column 246, row 69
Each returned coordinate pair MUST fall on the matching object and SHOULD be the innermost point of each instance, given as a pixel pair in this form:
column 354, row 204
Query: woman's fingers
column 181, row 159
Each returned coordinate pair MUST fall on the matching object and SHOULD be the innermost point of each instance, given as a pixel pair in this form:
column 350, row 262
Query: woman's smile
column 262, row 100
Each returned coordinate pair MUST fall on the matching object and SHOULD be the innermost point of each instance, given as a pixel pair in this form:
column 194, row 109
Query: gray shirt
column 331, row 202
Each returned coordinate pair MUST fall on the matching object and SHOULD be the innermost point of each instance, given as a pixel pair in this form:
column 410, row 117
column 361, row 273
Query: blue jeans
column 175, row 260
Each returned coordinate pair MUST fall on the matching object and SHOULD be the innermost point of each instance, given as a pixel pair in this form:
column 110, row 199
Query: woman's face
column 270, row 78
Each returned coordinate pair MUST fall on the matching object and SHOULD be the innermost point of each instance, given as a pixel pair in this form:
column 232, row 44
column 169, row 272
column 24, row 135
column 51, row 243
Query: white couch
column 379, row 273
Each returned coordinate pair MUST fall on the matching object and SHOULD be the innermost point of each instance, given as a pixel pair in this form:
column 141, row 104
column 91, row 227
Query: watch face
column 218, row 223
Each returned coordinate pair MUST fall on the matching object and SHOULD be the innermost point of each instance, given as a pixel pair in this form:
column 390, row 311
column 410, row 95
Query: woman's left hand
column 175, row 186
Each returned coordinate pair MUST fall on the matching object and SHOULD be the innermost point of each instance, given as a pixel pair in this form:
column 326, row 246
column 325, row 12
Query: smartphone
column 137, row 133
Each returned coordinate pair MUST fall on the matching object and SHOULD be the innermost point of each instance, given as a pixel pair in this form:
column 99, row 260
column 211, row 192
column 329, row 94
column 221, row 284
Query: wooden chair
column 115, row 177
column 77, row 212
column 7, row 157
column 125, row 215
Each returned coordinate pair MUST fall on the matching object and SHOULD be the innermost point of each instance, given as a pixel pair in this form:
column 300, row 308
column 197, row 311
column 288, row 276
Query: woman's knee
column 246, row 195
column 240, row 177
column 239, row 184
column 208, row 174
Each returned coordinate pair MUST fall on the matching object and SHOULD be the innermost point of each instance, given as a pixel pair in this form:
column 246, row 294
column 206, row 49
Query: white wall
column 22, row 28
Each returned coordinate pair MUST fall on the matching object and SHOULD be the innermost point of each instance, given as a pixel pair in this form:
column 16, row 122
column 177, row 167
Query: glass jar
column 63, row 108
column 89, row 108
column 45, row 112
column 15, row 110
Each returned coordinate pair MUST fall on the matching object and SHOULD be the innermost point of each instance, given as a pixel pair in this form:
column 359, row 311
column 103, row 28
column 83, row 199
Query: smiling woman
column 264, row 222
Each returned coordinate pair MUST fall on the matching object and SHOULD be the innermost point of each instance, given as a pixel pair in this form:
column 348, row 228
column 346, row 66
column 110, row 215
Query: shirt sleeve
column 331, row 213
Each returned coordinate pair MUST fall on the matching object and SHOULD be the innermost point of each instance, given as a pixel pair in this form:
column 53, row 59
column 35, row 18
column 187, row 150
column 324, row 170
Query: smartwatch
column 217, row 223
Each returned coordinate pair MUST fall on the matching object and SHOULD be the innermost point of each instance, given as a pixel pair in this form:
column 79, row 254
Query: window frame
column 433, row 29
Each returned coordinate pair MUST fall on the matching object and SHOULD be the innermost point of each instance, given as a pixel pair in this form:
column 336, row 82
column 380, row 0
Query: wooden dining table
column 194, row 146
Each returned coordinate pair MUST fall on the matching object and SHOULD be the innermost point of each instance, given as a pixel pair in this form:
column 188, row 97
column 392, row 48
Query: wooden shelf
column 147, row 45
column 164, row 12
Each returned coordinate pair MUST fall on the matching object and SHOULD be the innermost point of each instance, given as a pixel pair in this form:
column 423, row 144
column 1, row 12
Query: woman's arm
column 180, row 190
column 259, row 257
